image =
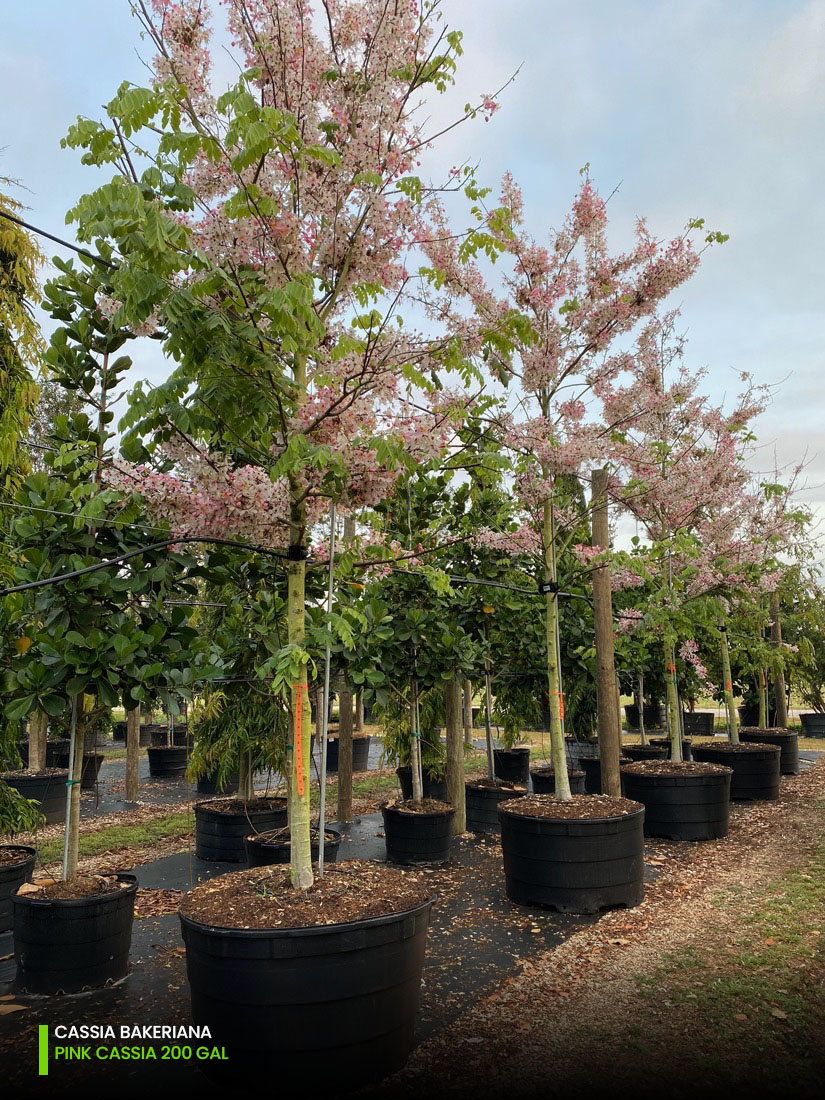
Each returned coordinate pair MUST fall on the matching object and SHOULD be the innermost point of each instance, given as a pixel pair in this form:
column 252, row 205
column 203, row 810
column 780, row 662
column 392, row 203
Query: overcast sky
column 694, row 107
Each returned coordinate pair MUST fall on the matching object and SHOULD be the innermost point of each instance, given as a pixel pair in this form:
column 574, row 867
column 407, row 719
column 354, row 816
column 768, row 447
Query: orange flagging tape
column 561, row 703
column 298, row 739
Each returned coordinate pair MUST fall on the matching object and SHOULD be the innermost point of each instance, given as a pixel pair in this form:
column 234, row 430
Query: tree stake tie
column 298, row 737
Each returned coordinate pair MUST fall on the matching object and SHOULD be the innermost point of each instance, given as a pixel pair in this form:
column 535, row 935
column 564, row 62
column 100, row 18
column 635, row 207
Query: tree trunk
column 557, row 754
column 72, row 836
column 733, row 722
column 607, row 699
column 132, row 753
column 779, row 694
column 298, row 757
column 762, row 689
column 38, row 735
column 467, row 697
column 455, row 754
column 359, row 712
column 640, row 704
column 672, row 700
column 415, row 747
column 345, row 725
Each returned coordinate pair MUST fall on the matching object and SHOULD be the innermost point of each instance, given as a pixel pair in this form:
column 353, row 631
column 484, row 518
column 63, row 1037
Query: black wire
column 57, row 240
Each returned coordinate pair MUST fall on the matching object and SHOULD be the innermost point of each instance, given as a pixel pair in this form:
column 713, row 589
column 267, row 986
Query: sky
column 690, row 108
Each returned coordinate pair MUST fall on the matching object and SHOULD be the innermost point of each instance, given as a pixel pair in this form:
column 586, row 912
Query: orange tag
column 728, row 685
column 298, row 738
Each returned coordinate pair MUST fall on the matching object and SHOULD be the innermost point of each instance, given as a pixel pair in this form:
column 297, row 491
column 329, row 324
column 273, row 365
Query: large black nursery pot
column 69, row 945
column 167, row 762
column 47, row 788
column 512, row 765
column 645, row 752
column 544, row 780
column 682, row 801
column 698, row 722
column 160, row 734
column 208, row 784
column 749, row 715
column 755, row 768
column 576, row 750
column 664, row 742
column 813, row 724
column 415, row 835
column 433, row 787
column 481, row 800
column 92, row 762
column 787, row 740
column 222, row 824
column 273, row 846
column 56, row 750
column 335, row 1004
column 118, row 731
column 16, row 867
column 592, row 768
column 360, row 754
column 573, row 864
column 654, row 715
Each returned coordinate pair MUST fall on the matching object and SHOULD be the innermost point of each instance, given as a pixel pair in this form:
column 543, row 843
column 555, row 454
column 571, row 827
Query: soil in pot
column 645, row 752
column 222, row 823
column 755, row 768
column 339, row 964
column 482, row 799
column 418, row 832
column 592, row 768
column 167, row 762
column 273, row 846
column 576, row 857
column 76, row 935
column 787, row 740
column 544, row 780
column 433, row 787
column 685, row 800
column 360, row 754
column 512, row 765
column 91, row 768
column 16, row 867
column 46, row 787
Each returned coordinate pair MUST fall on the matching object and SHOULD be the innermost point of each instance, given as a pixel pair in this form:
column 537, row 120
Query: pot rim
column 424, row 815
column 576, row 820
column 255, row 838
column 205, row 804
column 68, row 903
column 31, row 853
column 307, row 930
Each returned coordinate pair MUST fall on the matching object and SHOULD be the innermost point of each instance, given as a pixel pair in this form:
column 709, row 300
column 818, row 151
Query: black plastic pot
column 261, row 852
column 755, row 770
column 576, row 751
column 544, row 780
column 813, row 724
column 208, row 784
column 787, row 741
column 23, row 752
column 699, row 722
column 664, row 742
column 433, row 788
column 360, row 754
column 219, row 835
column 68, row 946
column 56, row 750
column 48, row 790
column 418, row 837
column 654, row 715
column 167, row 763
column 512, row 765
column 118, row 731
column 573, row 865
column 350, row 992
column 645, row 752
column 592, row 768
column 749, row 715
column 482, row 805
column 680, row 806
column 12, row 877
column 90, row 770
column 159, row 733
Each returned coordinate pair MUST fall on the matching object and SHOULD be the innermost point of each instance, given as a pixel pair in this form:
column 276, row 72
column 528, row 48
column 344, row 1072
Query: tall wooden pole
column 779, row 696
column 608, row 727
column 132, row 753
column 455, row 753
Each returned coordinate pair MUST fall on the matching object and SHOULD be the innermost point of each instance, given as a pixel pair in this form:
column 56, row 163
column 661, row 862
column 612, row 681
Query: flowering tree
column 264, row 235
column 561, row 308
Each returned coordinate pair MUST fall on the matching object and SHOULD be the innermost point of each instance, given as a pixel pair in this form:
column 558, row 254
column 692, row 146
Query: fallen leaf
column 778, row 1014
column 6, row 1009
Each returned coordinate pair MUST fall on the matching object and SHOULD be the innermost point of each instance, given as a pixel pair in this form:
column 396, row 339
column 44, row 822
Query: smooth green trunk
column 730, row 706
column 557, row 754
column 672, row 700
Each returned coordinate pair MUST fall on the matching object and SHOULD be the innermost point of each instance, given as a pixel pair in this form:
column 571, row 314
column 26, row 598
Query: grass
column 114, row 838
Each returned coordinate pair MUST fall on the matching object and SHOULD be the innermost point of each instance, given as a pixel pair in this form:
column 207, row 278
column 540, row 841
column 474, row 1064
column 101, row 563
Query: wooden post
column 468, row 713
column 38, row 733
column 779, row 697
column 455, row 754
column 345, row 725
column 608, row 729
column 132, row 753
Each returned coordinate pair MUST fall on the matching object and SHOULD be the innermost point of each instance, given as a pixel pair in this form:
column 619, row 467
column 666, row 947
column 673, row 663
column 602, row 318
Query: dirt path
column 715, row 985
